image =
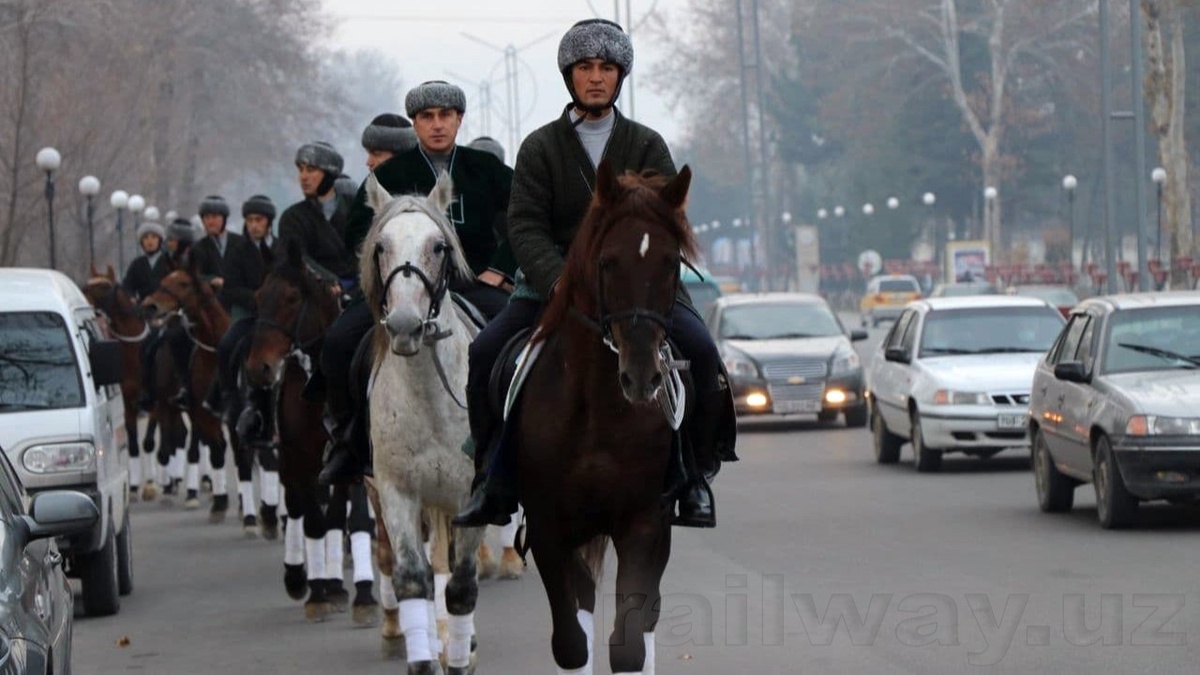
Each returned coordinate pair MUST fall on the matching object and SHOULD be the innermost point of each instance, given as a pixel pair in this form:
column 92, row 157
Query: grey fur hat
column 321, row 155
column 489, row 144
column 214, row 204
column 259, row 205
column 182, row 230
column 390, row 133
column 596, row 39
column 345, row 187
column 434, row 94
column 150, row 227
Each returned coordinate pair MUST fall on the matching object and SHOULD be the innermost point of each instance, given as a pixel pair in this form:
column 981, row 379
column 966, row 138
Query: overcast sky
column 429, row 40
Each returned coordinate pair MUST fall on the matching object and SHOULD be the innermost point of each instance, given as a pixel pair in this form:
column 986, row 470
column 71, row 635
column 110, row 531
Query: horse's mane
column 637, row 196
column 370, row 274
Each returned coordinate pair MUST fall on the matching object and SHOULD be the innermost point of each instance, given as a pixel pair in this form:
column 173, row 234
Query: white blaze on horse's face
column 645, row 245
column 409, row 238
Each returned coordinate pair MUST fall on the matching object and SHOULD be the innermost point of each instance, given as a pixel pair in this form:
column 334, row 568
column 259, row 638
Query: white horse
column 418, row 423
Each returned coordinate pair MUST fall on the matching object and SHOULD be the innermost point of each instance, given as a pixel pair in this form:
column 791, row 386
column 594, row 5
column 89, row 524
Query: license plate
column 794, row 407
column 1011, row 421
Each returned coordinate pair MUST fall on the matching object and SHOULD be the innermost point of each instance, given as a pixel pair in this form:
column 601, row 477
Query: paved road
column 824, row 562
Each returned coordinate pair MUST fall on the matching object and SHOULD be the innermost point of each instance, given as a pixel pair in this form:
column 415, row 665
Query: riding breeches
column 337, row 353
column 231, row 353
column 485, row 350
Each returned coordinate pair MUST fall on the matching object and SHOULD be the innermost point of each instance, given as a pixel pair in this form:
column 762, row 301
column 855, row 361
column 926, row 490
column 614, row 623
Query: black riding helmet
column 595, row 39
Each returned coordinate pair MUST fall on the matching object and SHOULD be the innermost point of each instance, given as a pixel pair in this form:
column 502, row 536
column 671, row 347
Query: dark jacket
column 241, row 267
column 265, row 251
column 142, row 279
column 552, row 189
column 481, row 190
column 321, row 241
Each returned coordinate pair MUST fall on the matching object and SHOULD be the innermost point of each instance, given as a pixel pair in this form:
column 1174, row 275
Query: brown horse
column 125, row 325
column 594, row 449
column 294, row 310
column 184, row 293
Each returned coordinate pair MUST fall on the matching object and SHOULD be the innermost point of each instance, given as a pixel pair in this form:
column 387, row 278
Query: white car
column 955, row 375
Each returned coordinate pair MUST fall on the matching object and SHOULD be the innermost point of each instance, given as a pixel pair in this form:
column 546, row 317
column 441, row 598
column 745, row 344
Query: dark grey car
column 36, row 604
column 1116, row 403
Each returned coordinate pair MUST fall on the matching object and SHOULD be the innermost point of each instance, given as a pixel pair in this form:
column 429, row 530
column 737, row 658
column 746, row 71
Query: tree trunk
column 12, row 234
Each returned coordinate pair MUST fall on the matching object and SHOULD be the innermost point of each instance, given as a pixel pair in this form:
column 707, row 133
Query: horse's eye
column 440, row 247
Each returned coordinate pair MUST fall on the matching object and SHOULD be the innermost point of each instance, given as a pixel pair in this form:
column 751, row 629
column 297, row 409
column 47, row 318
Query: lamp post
column 151, row 213
column 1069, row 183
column 119, row 200
column 989, row 227
column 89, row 187
column 893, row 203
column 822, row 214
column 49, row 160
column 1159, row 176
column 169, row 217
column 137, row 204
column 868, row 209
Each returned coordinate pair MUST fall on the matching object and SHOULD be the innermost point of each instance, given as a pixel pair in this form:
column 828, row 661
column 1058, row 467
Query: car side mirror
column 1070, row 371
column 58, row 513
column 858, row 335
column 104, row 356
column 897, row 355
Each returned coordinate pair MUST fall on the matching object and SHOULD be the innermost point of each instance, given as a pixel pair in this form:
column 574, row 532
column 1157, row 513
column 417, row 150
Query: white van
column 62, row 421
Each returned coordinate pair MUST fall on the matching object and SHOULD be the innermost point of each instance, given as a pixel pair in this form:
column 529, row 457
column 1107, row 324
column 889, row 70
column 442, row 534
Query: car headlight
column 952, row 397
column 60, row 458
column 739, row 365
column 1153, row 425
column 844, row 362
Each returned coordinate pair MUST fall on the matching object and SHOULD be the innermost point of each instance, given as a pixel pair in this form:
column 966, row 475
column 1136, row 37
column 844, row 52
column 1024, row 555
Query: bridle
column 606, row 319
column 292, row 332
column 181, row 312
column 102, row 308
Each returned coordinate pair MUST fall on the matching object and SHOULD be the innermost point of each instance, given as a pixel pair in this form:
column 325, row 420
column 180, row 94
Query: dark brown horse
column 184, row 293
column 130, row 329
column 594, row 447
column 294, row 310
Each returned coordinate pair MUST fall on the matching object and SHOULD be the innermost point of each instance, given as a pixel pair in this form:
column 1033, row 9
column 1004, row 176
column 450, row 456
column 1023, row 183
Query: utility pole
column 746, row 153
column 512, row 89
column 1110, row 195
column 1139, row 143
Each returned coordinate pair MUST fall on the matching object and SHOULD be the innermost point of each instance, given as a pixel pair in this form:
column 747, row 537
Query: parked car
column 886, row 297
column 963, row 289
column 62, row 421
column 702, row 287
column 954, row 374
column 37, row 607
column 787, row 353
column 1061, row 297
column 1116, row 403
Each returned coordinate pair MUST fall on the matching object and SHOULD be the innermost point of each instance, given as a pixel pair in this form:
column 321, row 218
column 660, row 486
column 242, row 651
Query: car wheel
column 99, row 579
column 926, row 460
column 1055, row 491
column 856, row 418
column 1115, row 507
column 887, row 444
column 125, row 557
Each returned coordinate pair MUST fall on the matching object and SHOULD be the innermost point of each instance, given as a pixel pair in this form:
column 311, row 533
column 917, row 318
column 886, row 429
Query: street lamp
column 839, row 211
column 1069, row 183
column 137, row 204
column 49, row 160
column 170, row 217
column 151, row 213
column 929, row 199
column 822, row 214
column 868, row 209
column 89, row 187
column 119, row 200
column 893, row 203
column 1159, row 176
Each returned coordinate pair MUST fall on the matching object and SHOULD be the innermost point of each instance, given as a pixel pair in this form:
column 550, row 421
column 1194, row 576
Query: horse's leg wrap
column 648, row 664
column 246, row 496
column 314, row 557
column 360, row 552
column 414, row 623
column 269, row 485
column 462, row 629
column 293, row 543
column 334, row 555
column 193, row 477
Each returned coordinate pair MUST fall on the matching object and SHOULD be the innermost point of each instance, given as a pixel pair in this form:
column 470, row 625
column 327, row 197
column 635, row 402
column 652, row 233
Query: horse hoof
column 149, row 491
column 220, row 505
column 205, row 484
column 270, row 522
column 425, row 668
column 316, row 612
column 511, row 565
column 394, row 648
column 487, row 564
column 466, row 670
column 338, row 597
column 192, row 501
column 365, row 616
column 250, row 527
column 391, row 624
column 294, row 581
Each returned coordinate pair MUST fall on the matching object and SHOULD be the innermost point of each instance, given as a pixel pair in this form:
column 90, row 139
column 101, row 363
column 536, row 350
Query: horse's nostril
column 656, row 381
column 626, row 381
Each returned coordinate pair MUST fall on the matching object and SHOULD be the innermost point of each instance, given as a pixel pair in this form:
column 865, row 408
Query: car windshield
column 778, row 321
column 897, row 286
column 37, row 363
column 1159, row 338
column 1059, row 297
column 989, row 330
column 703, row 295
column 963, row 290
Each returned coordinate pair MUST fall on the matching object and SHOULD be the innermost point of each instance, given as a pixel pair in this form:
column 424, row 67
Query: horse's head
column 623, row 269
column 104, row 293
column 294, row 309
column 410, row 257
column 180, row 291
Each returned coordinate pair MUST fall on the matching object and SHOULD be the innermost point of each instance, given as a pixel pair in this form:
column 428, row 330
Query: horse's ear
column 112, row 274
column 377, row 196
column 295, row 254
column 675, row 193
column 94, row 272
column 606, row 182
column 443, row 193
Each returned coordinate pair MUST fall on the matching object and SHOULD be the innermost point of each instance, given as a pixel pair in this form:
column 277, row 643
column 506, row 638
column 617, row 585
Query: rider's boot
column 493, row 495
column 342, row 464
column 253, row 422
column 696, row 505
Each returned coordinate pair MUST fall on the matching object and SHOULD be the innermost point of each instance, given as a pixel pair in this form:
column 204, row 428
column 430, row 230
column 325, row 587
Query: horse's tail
column 592, row 554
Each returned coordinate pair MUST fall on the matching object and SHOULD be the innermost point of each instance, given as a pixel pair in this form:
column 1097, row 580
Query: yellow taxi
column 886, row 296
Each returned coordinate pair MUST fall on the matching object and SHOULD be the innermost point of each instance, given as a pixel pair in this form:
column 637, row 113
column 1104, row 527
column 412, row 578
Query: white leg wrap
column 414, row 623
column 246, row 492
column 135, row 472
column 178, row 463
column 193, row 476
column 508, row 533
column 387, row 594
column 293, row 542
column 458, row 652
column 268, row 483
column 588, row 623
column 206, row 468
column 648, row 664
column 335, row 554
column 586, row 670
column 282, row 502
column 360, row 551
column 435, row 639
column 220, row 482
column 439, row 595
column 314, row 554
